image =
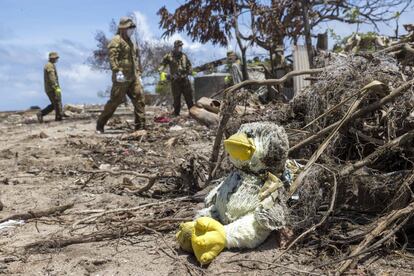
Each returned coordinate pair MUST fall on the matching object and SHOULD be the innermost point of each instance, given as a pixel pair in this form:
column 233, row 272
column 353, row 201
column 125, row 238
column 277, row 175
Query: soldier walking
column 180, row 69
column 126, row 74
column 52, row 89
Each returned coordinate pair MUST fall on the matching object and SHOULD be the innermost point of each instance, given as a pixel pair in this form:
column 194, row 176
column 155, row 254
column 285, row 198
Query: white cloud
column 143, row 28
column 80, row 73
column 21, row 74
column 145, row 33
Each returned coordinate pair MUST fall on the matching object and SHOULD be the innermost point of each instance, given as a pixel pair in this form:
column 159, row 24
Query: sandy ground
column 39, row 169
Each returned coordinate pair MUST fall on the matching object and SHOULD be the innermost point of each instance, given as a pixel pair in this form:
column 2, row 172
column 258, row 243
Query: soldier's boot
column 39, row 116
column 140, row 124
column 99, row 128
column 58, row 111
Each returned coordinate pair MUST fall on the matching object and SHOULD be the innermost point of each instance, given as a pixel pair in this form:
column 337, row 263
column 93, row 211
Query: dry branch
column 131, row 229
column 370, row 159
column 152, row 178
column 393, row 48
column 298, row 181
column 38, row 213
column 382, row 224
column 274, row 265
column 404, row 188
column 359, row 113
column 126, row 210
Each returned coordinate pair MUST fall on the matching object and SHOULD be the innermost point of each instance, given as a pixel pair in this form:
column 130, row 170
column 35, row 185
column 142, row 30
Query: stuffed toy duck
column 244, row 208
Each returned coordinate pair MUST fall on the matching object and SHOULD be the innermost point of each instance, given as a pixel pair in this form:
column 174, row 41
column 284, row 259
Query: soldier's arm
column 51, row 74
column 114, row 49
column 139, row 64
column 164, row 63
column 189, row 66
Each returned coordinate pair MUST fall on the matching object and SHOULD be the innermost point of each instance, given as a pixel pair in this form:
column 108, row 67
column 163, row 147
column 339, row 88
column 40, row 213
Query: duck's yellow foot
column 208, row 239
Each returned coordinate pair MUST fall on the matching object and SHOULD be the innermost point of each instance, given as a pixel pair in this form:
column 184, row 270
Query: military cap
column 53, row 55
column 178, row 43
column 126, row 23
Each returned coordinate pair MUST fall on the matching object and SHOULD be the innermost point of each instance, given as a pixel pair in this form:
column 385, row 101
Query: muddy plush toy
column 243, row 209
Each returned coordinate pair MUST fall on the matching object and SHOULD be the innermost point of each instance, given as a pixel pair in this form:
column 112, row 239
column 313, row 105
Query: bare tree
column 219, row 21
column 150, row 52
column 270, row 23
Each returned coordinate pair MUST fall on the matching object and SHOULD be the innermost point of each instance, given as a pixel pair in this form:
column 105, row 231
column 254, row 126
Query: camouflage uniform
column 180, row 68
column 234, row 69
column 123, row 57
column 52, row 89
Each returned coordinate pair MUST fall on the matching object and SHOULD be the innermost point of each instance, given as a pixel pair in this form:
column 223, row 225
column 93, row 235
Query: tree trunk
column 308, row 37
column 244, row 63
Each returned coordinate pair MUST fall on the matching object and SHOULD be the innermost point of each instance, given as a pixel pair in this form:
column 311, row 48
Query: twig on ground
column 152, row 178
column 126, row 210
column 322, row 221
column 273, row 265
column 38, row 213
column 381, row 225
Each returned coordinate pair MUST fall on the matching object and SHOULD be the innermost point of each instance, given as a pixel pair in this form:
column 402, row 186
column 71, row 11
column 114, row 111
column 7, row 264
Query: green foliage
column 367, row 42
column 337, row 38
column 353, row 15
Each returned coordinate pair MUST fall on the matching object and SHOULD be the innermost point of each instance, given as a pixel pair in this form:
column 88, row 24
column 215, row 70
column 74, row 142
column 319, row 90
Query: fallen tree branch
column 408, row 48
column 38, row 213
column 97, row 236
column 152, row 178
column 350, row 168
column 126, row 210
column 381, row 225
column 332, row 109
column 393, row 48
column 298, row 181
column 322, row 221
column 405, row 187
column 274, row 265
column 359, row 113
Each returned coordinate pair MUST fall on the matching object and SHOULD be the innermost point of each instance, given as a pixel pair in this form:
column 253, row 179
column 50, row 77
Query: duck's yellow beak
column 240, row 147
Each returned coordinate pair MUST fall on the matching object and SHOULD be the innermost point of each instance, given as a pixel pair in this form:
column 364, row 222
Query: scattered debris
column 10, row 224
column 43, row 135
column 74, row 108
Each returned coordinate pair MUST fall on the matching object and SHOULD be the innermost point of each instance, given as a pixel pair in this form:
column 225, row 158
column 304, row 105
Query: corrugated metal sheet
column 300, row 62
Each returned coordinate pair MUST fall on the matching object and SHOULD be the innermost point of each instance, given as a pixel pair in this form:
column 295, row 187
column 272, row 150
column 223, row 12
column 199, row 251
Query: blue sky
column 29, row 29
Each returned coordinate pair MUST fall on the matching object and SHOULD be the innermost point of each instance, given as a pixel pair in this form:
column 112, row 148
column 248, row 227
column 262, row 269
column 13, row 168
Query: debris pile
column 353, row 131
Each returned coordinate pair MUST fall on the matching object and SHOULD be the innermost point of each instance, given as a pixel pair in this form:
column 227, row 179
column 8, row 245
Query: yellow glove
column 58, row 91
column 208, row 239
column 163, row 76
column 194, row 73
column 184, row 236
column 228, row 80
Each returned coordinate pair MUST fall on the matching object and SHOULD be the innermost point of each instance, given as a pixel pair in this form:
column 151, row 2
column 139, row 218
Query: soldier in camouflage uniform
column 234, row 69
column 52, row 89
column 180, row 68
column 126, row 78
